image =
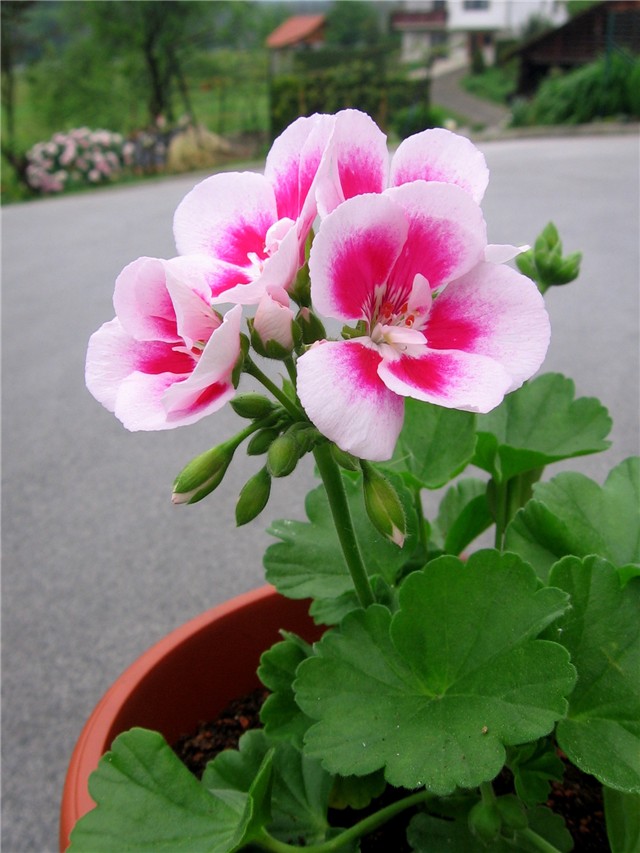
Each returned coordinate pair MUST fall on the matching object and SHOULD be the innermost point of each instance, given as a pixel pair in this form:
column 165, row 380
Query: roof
column 294, row 30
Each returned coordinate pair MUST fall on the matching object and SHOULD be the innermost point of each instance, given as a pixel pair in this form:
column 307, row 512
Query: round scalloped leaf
column 434, row 693
column 602, row 632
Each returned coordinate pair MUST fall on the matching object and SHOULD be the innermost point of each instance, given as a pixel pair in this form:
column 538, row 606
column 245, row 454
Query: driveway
column 97, row 562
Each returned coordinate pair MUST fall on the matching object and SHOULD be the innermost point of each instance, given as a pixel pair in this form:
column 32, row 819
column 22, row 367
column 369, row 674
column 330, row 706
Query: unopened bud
column 310, row 326
column 545, row 263
column 484, row 821
column 383, row 505
column 252, row 406
column 283, row 456
column 261, row 441
column 203, row 474
column 273, row 324
column 345, row 460
column 512, row 812
column 253, row 497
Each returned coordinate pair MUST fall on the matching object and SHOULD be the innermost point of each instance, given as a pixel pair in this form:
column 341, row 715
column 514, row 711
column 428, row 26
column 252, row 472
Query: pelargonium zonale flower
column 441, row 324
column 167, row 358
column 431, row 155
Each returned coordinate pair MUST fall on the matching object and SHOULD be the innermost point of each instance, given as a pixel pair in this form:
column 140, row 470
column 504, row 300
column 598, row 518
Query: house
column 459, row 27
column 299, row 32
column 605, row 26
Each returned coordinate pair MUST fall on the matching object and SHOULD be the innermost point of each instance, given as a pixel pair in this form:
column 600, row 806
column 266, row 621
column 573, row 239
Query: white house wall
column 503, row 15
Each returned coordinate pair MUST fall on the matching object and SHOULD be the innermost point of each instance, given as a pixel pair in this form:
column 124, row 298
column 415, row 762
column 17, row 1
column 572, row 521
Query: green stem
column 291, row 370
column 332, row 479
column 294, row 410
column 368, row 824
column 538, row 841
column 422, row 527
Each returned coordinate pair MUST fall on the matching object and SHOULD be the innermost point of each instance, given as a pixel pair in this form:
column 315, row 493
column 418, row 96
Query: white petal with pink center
column 339, row 387
column 274, row 318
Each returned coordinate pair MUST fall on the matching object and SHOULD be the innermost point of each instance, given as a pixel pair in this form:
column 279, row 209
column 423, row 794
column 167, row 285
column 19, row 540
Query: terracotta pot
column 186, row 678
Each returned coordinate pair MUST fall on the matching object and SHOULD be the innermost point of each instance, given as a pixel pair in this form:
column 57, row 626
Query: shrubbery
column 79, row 157
column 607, row 88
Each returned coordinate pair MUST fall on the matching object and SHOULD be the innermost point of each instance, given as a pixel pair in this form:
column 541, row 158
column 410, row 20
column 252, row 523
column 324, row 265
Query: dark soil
column 578, row 798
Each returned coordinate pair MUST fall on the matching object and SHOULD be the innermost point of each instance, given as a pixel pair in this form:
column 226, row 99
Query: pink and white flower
column 432, row 155
column 442, row 324
column 255, row 226
column 274, row 319
column 167, row 358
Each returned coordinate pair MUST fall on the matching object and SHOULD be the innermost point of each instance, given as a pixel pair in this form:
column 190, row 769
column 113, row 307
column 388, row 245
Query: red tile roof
column 294, row 30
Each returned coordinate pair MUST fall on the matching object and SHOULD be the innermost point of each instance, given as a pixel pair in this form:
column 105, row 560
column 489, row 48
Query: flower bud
column 484, row 821
column 512, row 812
column 253, row 497
column 283, row 455
column 261, row 441
column 383, row 505
column 252, row 406
column 310, row 326
column 273, row 323
column 203, row 474
column 345, row 460
column 545, row 263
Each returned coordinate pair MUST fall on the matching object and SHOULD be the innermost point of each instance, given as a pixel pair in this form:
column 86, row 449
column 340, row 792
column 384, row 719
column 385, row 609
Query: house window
column 475, row 5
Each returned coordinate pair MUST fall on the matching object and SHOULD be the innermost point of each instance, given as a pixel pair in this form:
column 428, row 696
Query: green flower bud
column 512, row 812
column 310, row 326
column 345, row 460
column 253, row 497
column 203, row 474
column 261, row 441
column 383, row 505
column 484, row 821
column 545, row 263
column 283, row 455
column 252, row 406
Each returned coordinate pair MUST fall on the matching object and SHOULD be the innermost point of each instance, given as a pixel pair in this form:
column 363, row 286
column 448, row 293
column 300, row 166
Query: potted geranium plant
column 435, row 676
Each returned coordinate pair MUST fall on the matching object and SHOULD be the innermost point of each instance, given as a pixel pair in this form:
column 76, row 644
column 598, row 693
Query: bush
column 606, row 88
column 80, row 157
column 418, row 117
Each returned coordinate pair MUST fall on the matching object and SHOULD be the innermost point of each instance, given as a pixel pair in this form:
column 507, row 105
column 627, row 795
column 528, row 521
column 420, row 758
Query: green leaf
column 572, row 514
column 463, row 515
column 149, row 801
column 434, row 693
column 300, row 793
column 534, row 766
column 430, row 834
column 539, row 424
column 622, row 814
column 356, row 792
column 435, row 444
column 281, row 716
column 601, row 734
column 308, row 562
column 330, row 611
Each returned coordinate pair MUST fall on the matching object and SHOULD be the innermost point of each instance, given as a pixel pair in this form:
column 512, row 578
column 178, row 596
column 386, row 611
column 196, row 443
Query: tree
column 14, row 42
column 353, row 24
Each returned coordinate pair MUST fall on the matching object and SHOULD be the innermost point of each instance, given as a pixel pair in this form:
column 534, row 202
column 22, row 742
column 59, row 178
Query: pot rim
column 96, row 735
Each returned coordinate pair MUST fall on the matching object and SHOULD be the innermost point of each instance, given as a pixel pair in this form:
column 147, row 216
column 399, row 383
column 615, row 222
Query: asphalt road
column 97, row 562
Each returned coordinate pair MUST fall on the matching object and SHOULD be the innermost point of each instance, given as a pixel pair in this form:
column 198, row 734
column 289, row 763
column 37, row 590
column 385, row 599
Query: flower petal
column 353, row 253
column 439, row 155
column 338, row 386
column 113, row 357
column 359, row 161
column 227, row 217
column 455, row 380
column 500, row 253
column 447, row 232
column 142, row 302
column 209, row 387
column 188, row 286
column 493, row 311
column 293, row 161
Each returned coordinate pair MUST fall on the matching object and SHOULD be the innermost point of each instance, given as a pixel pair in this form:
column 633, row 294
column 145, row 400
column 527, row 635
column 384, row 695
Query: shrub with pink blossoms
column 76, row 158
column 434, row 674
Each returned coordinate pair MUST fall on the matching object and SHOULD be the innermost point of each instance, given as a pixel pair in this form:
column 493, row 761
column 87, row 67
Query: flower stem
column 368, row 824
column 332, row 479
column 294, row 410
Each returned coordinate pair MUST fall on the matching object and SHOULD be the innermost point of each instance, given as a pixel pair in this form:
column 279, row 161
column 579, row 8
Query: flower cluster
column 400, row 256
column 80, row 156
